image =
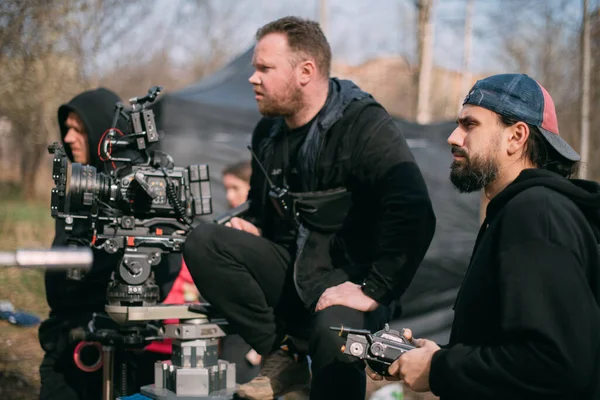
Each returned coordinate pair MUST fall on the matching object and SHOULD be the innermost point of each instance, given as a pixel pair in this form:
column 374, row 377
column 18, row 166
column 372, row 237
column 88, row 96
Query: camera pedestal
column 194, row 371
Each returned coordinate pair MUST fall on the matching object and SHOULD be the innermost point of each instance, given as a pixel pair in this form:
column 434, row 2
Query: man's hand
column 413, row 366
column 243, row 225
column 347, row 294
column 407, row 333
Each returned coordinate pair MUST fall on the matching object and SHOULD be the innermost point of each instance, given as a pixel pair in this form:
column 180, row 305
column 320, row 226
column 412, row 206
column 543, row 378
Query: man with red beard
column 527, row 317
column 342, row 219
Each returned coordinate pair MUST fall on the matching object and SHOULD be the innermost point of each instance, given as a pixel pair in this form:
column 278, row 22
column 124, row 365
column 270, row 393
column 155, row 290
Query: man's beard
column 285, row 106
column 472, row 173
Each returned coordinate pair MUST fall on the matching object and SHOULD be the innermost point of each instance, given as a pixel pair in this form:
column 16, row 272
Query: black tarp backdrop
column 211, row 122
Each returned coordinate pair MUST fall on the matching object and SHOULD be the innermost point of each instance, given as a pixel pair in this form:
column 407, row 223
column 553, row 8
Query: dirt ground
column 20, row 356
column 20, row 352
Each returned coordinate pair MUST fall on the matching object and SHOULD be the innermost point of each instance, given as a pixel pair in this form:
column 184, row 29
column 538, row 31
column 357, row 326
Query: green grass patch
column 23, row 225
column 24, row 289
column 25, row 212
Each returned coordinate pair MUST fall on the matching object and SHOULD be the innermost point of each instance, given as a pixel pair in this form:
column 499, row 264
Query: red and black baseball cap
column 521, row 97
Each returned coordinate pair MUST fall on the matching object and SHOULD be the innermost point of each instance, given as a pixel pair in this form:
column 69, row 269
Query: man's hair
column 304, row 37
column 241, row 170
column 540, row 153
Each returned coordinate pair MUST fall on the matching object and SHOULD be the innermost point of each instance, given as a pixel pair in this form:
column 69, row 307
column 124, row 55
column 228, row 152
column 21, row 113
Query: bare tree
column 201, row 32
column 543, row 40
column 211, row 30
column 46, row 46
column 468, row 40
column 594, row 154
column 33, row 74
column 425, row 56
column 586, row 72
column 97, row 26
column 323, row 15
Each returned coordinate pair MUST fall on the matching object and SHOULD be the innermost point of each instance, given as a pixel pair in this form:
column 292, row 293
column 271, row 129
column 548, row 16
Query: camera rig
column 141, row 207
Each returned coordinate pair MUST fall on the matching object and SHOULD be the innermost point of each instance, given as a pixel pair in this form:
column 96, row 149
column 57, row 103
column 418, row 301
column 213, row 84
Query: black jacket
column 352, row 143
column 527, row 318
column 96, row 110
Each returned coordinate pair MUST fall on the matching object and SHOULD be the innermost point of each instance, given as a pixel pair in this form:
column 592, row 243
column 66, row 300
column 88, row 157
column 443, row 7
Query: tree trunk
column 425, row 50
column 586, row 71
column 323, row 16
column 466, row 73
column 30, row 165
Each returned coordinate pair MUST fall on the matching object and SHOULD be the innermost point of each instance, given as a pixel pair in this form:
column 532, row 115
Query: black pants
column 234, row 349
column 249, row 280
column 62, row 379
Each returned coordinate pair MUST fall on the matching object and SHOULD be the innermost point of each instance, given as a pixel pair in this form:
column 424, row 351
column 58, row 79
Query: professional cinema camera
column 141, row 207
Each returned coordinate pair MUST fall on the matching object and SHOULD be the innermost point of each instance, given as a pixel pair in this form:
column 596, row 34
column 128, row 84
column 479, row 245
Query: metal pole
column 59, row 258
column 107, row 372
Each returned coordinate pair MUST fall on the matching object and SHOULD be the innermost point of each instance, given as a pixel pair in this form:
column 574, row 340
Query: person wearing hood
column 527, row 317
column 342, row 219
column 82, row 121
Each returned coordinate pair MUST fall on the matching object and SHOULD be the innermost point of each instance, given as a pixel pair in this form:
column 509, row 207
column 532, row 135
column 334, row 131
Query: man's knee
column 202, row 247
column 326, row 344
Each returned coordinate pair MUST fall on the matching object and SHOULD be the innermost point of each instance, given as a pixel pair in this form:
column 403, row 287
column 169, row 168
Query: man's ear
column 308, row 71
column 518, row 134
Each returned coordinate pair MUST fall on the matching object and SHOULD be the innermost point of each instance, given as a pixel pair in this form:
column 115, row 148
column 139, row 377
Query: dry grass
column 22, row 225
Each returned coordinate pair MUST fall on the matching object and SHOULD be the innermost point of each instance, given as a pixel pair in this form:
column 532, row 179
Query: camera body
column 140, row 207
column 140, row 191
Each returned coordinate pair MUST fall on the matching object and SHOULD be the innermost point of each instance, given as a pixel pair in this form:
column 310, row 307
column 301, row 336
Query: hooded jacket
column 385, row 227
column 527, row 317
column 96, row 109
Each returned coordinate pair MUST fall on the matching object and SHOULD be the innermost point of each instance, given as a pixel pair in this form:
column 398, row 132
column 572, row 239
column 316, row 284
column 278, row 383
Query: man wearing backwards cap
column 527, row 317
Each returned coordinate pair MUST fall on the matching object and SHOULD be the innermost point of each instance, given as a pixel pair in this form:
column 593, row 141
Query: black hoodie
column 527, row 318
column 96, row 109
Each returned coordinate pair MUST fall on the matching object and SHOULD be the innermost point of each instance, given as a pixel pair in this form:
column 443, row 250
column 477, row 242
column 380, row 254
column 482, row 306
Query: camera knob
column 127, row 222
column 357, row 349
column 377, row 349
column 111, row 246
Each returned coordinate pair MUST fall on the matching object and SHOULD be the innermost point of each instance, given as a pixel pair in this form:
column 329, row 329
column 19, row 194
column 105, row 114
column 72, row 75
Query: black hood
column 96, row 109
column 586, row 194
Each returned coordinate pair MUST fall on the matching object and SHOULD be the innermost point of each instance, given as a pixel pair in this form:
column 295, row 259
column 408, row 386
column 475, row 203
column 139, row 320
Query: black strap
column 286, row 158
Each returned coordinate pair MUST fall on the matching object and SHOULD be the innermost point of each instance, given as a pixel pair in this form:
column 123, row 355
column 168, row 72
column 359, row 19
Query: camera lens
column 86, row 183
